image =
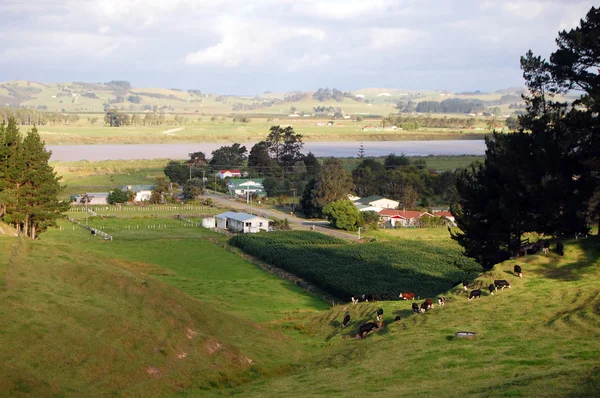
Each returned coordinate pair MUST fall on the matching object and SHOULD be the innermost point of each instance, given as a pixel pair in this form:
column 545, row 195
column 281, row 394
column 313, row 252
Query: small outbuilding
column 242, row 222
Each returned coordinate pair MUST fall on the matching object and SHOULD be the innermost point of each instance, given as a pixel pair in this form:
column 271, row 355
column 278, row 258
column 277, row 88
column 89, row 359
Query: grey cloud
column 249, row 47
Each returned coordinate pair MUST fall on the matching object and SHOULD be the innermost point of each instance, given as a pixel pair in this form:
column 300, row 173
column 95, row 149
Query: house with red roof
column 403, row 218
column 222, row 174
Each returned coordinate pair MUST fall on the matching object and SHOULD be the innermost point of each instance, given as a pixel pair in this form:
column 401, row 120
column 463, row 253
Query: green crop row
column 346, row 270
column 285, row 238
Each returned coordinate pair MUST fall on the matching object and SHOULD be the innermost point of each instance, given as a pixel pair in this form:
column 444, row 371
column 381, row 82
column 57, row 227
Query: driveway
column 296, row 223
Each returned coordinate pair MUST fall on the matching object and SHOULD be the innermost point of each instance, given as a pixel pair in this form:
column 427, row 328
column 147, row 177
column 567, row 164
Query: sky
column 253, row 46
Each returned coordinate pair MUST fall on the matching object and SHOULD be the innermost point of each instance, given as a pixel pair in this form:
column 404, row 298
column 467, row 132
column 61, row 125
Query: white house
column 242, row 222
column 378, row 202
column 447, row 215
column 241, row 187
column 142, row 192
column 222, row 174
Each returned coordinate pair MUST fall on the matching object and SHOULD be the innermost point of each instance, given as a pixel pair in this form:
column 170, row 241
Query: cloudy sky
column 251, row 46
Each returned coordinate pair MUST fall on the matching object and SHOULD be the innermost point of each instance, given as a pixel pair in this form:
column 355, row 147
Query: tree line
column 451, row 105
column 547, row 180
column 29, row 187
column 30, row 117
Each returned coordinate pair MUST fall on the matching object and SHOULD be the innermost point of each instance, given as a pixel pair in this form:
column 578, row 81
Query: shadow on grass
column 574, row 270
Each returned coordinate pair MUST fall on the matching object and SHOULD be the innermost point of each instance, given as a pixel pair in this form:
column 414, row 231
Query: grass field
column 256, row 130
column 165, row 311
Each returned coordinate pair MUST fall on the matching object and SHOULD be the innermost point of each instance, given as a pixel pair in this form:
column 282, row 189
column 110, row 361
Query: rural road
column 296, row 223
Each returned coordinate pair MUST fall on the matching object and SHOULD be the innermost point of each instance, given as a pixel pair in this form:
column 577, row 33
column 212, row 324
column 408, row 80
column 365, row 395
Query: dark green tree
column 118, row 196
column 39, row 188
column 332, row 183
column 285, row 145
column 343, row 214
column 193, row 188
column 233, row 156
column 260, row 162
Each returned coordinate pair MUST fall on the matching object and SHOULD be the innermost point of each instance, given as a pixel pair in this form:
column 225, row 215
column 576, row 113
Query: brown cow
column 407, row 296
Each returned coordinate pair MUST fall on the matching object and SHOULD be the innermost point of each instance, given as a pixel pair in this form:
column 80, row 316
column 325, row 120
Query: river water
column 319, row 149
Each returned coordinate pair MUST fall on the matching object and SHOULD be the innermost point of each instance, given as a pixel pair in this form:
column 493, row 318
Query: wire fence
column 93, row 231
column 140, row 209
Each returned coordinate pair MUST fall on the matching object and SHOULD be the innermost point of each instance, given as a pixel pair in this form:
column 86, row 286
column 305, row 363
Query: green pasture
column 79, row 321
column 83, row 133
column 539, row 338
column 145, row 214
column 195, row 261
column 176, row 311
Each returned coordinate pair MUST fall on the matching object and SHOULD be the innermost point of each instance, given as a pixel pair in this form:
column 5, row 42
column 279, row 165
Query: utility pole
column 359, row 228
column 215, row 186
column 203, row 182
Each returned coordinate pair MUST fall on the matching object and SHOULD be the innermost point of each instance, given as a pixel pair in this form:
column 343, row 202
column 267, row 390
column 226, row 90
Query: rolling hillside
column 163, row 312
column 82, row 98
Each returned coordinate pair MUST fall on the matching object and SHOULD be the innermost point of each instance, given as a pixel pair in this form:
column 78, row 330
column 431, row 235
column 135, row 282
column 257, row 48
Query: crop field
column 346, row 270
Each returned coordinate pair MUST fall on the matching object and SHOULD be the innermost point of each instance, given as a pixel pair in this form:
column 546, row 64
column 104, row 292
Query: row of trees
column 548, row 180
column 29, row 187
column 31, row 117
column 451, row 105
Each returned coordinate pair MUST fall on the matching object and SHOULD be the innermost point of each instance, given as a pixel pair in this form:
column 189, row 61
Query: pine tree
column 39, row 188
column 11, row 169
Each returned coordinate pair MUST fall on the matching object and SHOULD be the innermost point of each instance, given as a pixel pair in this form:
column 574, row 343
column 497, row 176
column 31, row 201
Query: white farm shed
column 242, row 222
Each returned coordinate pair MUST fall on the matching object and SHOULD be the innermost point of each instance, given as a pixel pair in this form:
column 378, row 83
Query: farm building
column 241, row 187
column 242, row 222
column 403, row 218
column 378, row 202
column 94, row 198
column 223, row 174
column 142, row 192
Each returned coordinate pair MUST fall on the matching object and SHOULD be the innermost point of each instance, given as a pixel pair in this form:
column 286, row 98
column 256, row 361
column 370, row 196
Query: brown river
column 319, row 149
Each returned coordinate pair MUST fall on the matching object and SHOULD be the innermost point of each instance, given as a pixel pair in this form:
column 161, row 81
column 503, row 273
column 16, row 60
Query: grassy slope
column 86, row 324
column 539, row 338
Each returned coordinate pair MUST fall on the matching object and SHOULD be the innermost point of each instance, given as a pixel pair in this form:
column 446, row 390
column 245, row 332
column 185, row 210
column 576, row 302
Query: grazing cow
column 368, row 297
column 415, row 308
column 346, row 320
column 366, row 329
column 518, row 271
column 354, row 300
column 441, row 301
column 501, row 284
column 424, row 307
column 465, row 285
column 546, row 246
column 379, row 314
column 492, row 288
column 407, row 296
column 429, row 303
column 397, row 318
column 475, row 294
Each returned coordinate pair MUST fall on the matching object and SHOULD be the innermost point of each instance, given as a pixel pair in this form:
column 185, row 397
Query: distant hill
column 85, row 97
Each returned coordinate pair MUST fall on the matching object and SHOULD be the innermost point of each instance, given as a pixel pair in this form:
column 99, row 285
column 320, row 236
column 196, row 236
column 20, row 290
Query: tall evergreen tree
column 39, row 188
column 331, row 183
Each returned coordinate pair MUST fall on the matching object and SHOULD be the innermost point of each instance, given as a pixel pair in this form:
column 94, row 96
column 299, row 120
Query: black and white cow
column 366, row 329
column 346, row 320
column 441, row 301
column 518, row 271
column 379, row 315
column 465, row 285
column 415, row 308
column 501, row 284
column 492, row 288
column 475, row 294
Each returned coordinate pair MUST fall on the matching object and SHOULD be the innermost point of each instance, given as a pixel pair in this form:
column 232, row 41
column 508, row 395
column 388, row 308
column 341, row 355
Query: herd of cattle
column 499, row 284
